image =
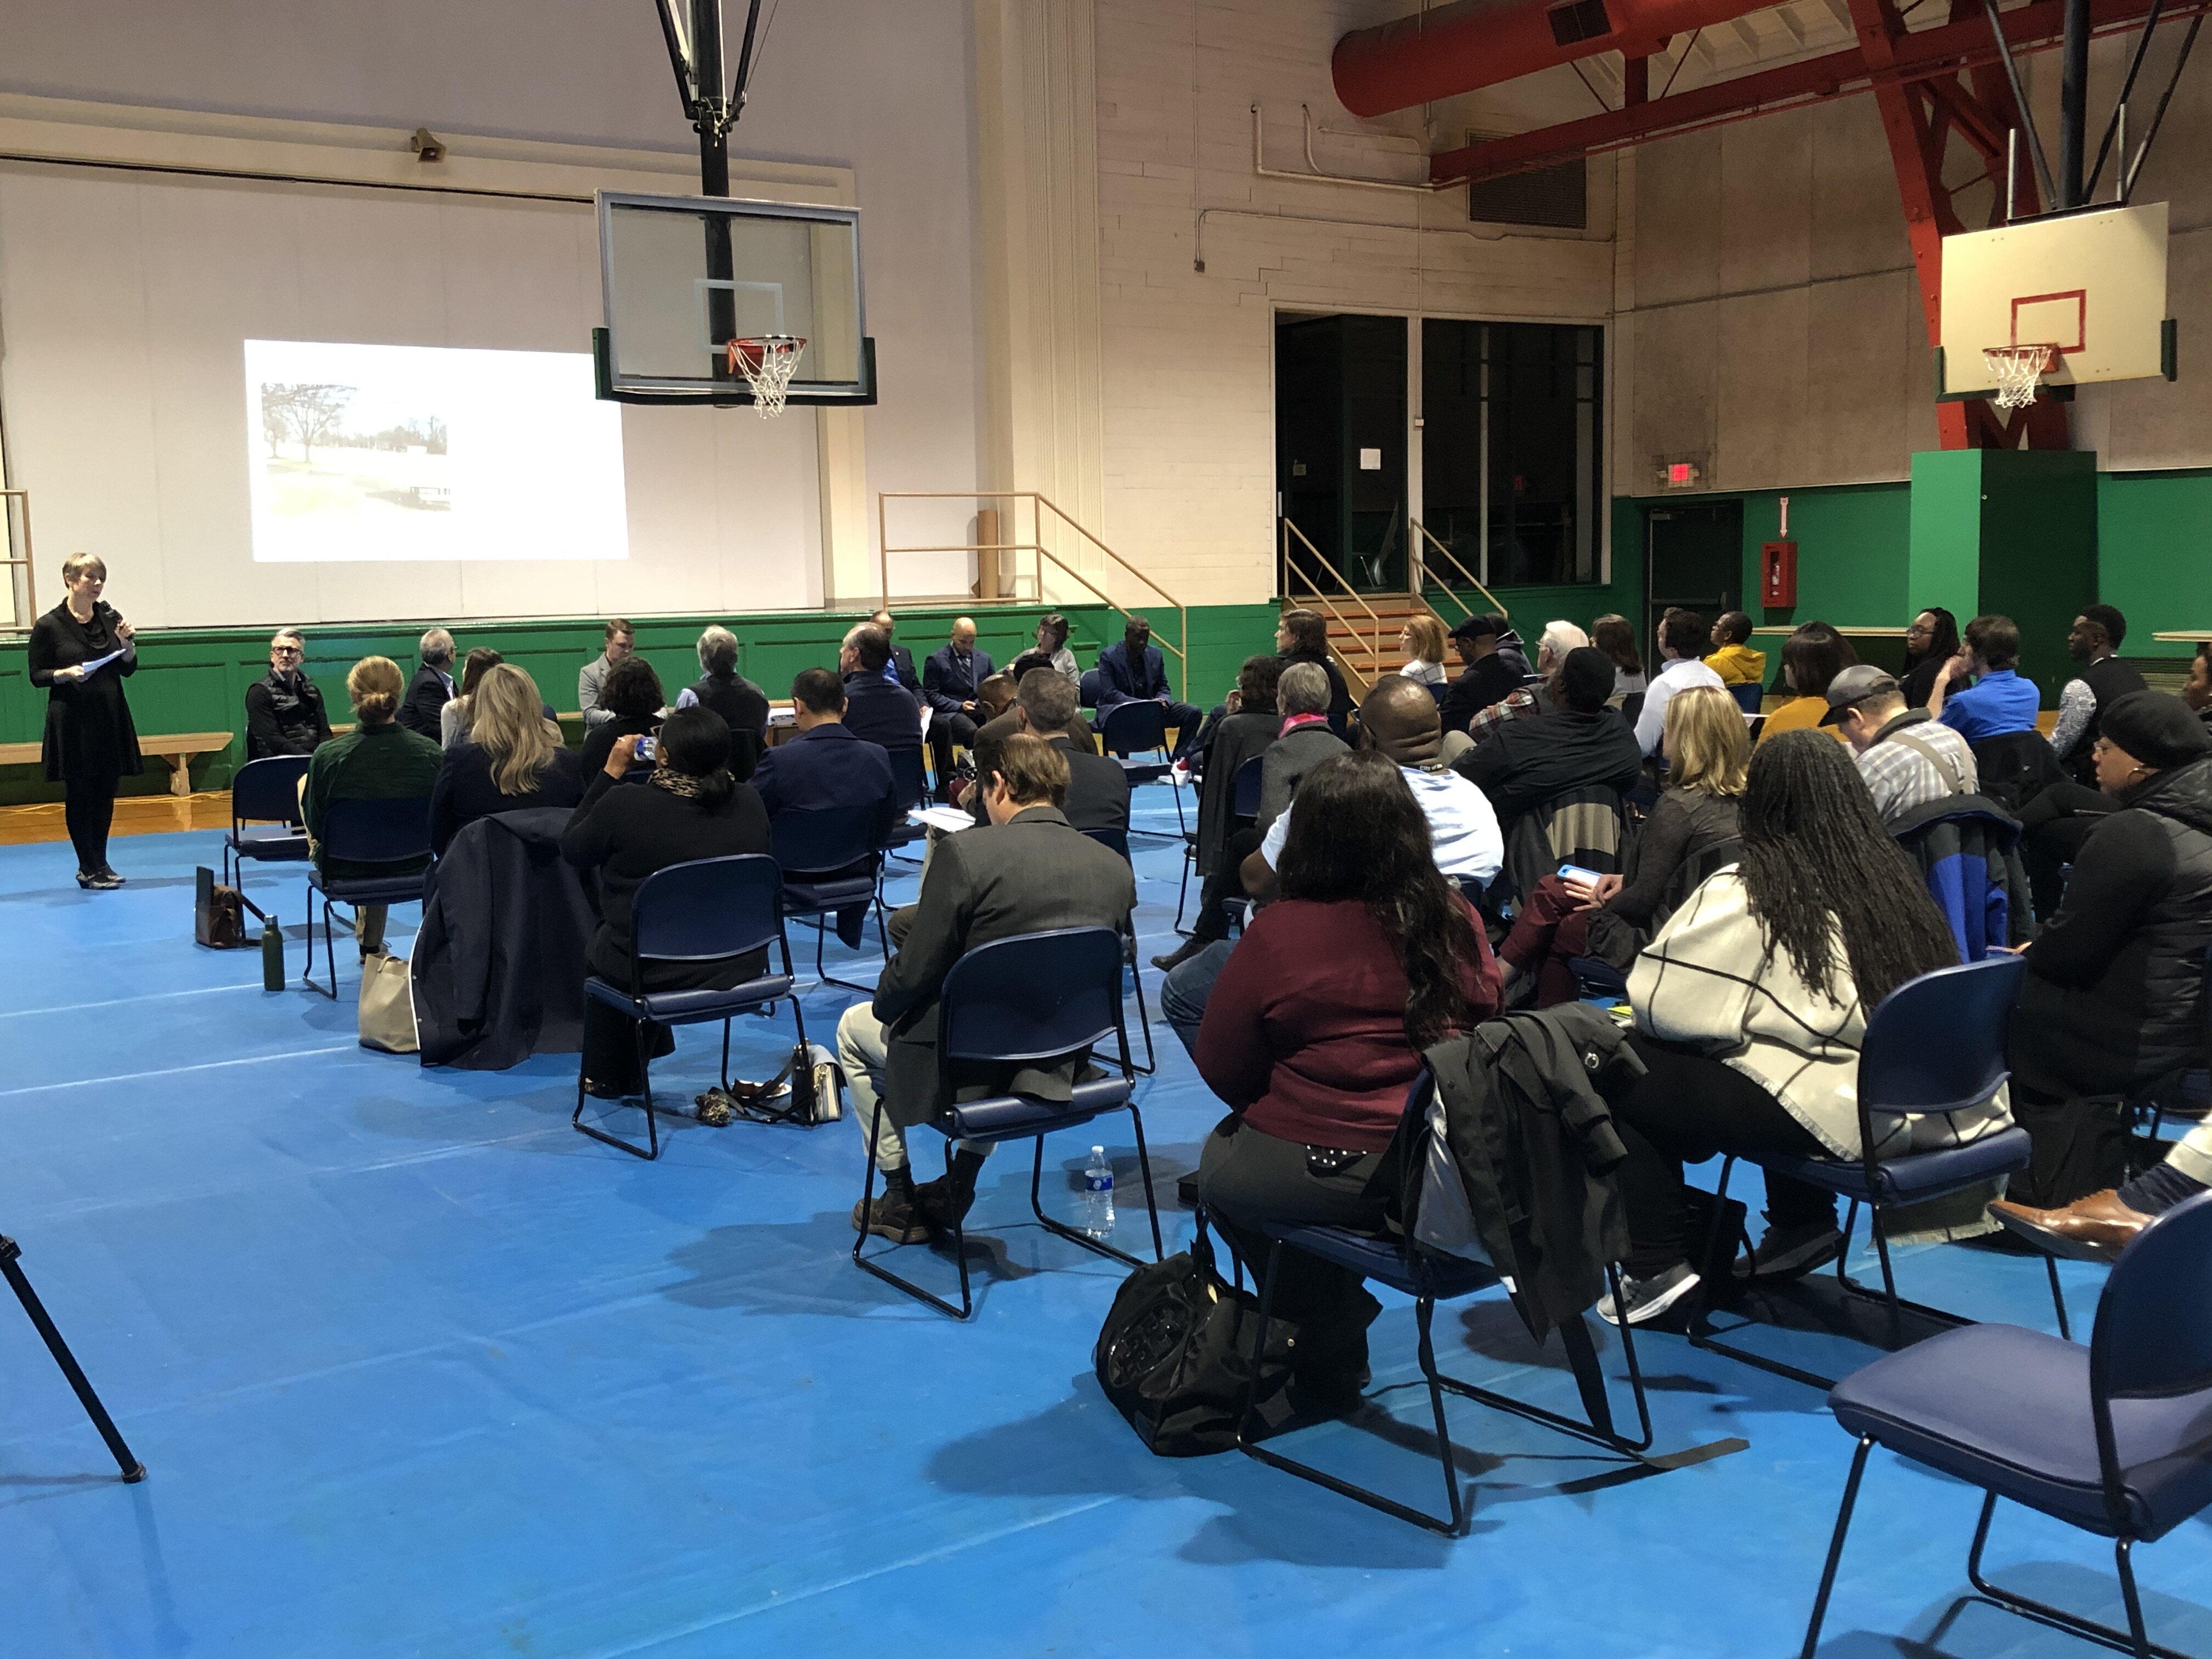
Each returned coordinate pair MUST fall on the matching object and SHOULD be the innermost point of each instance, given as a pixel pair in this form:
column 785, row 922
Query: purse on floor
column 218, row 913
column 386, row 1018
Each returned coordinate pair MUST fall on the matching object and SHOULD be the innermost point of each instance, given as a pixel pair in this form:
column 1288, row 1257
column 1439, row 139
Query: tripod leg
column 132, row 1468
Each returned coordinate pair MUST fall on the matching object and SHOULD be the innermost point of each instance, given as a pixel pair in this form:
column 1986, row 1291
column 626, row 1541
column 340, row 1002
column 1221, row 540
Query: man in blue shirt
column 828, row 765
column 1136, row 672
column 1999, row 700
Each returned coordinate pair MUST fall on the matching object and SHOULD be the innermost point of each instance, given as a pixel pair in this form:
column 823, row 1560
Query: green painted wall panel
column 2154, row 554
column 2039, row 563
column 1945, row 565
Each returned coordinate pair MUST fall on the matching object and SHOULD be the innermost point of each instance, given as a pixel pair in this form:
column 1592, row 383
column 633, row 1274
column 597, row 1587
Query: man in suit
column 1044, row 707
column 876, row 709
column 826, row 766
column 592, row 678
column 901, row 668
column 948, row 683
column 1027, row 871
column 431, row 689
column 1136, row 672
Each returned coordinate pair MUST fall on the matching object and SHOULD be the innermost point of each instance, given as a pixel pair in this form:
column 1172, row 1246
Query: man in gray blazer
column 1026, row 871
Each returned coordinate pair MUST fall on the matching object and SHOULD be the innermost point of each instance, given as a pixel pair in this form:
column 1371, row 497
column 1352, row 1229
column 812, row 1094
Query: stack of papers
column 947, row 820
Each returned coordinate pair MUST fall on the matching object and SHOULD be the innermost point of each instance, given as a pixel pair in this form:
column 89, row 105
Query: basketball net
column 768, row 363
column 2016, row 370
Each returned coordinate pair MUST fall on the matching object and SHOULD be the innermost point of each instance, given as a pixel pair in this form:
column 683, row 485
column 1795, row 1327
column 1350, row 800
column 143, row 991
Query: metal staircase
column 1364, row 628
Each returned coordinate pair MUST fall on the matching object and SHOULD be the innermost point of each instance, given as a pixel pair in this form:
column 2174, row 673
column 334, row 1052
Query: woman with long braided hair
column 1751, row 1008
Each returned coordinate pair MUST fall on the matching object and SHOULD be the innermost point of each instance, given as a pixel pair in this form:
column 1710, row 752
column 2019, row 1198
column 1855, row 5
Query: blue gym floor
column 417, row 1368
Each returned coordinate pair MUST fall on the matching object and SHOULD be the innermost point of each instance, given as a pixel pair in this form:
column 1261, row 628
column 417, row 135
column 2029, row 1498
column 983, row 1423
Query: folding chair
column 264, row 792
column 366, row 832
column 910, row 787
column 830, row 860
column 2109, row 1438
column 2186, row 1093
column 1243, row 811
column 1117, row 841
column 705, row 911
column 1141, row 728
column 1936, row 1044
column 1430, row 1278
column 1749, row 698
column 1030, row 998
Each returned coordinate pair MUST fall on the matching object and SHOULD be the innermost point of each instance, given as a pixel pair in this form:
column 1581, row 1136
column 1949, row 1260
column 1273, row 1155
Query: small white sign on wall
column 1370, row 461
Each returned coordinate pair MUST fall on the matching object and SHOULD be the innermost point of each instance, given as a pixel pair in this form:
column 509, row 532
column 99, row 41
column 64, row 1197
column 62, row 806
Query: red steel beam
column 1923, row 56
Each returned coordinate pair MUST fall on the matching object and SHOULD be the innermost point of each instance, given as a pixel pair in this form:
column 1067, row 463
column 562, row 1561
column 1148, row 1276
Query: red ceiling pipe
column 1479, row 43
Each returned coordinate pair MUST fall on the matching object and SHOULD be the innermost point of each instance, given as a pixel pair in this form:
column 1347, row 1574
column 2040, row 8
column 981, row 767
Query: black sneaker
column 1787, row 1253
column 1646, row 1300
column 895, row 1215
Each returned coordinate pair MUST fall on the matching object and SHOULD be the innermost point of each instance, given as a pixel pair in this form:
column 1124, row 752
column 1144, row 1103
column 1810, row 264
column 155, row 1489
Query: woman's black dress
column 89, row 736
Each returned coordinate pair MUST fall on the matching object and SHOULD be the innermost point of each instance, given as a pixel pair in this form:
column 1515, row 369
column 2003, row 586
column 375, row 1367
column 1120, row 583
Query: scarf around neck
column 679, row 783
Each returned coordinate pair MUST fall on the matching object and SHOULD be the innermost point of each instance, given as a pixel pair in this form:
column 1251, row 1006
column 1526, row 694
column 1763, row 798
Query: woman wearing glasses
column 284, row 709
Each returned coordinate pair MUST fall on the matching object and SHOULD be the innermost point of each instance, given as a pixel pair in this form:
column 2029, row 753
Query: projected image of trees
column 338, row 448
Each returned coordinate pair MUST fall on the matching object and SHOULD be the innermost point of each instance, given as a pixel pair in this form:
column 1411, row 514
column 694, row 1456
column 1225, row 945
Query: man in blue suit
column 1135, row 672
column 876, row 707
column 901, row 667
column 828, row 765
column 948, row 683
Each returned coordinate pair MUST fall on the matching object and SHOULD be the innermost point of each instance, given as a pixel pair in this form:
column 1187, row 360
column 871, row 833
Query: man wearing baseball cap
column 1906, row 756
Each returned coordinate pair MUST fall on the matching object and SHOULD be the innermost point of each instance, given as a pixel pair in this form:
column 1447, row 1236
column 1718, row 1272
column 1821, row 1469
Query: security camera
column 426, row 145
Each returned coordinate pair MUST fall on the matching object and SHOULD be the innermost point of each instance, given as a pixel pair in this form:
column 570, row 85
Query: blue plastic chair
column 2110, row 1439
column 264, row 792
column 1141, row 728
column 819, row 850
column 366, row 832
column 1032, row 997
column 1431, row 1278
column 1936, row 1044
column 1750, row 698
column 707, row 910
column 1244, row 809
column 910, row 787
column 1117, row 842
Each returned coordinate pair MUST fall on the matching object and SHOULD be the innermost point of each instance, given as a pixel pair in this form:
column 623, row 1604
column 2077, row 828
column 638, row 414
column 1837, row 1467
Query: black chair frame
column 1244, row 782
column 358, row 890
column 1154, row 740
column 651, row 1150
column 275, row 785
column 792, row 905
column 967, row 1308
column 1117, row 841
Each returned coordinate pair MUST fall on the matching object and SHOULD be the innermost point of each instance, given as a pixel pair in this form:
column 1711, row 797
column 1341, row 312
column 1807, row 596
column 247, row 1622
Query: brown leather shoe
column 2093, row 1229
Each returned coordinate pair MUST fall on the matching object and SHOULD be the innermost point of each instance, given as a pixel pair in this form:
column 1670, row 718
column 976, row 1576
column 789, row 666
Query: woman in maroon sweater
column 1314, row 1034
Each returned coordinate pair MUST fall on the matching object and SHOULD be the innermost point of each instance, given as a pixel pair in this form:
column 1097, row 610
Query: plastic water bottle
column 1098, row 1196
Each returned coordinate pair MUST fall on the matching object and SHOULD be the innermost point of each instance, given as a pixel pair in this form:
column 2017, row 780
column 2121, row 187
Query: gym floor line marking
column 129, row 1002
column 176, row 1071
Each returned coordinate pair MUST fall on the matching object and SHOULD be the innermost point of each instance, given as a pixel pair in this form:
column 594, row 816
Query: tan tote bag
column 387, row 1004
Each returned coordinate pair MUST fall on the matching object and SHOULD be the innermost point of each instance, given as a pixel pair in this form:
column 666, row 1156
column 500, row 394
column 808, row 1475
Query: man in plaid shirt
column 1906, row 758
column 1559, row 638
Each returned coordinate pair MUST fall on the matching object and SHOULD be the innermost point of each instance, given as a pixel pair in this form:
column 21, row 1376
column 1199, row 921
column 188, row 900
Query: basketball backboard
column 2091, row 286
column 683, row 276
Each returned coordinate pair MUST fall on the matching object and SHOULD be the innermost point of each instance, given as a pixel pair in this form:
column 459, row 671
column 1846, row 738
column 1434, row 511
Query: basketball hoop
column 768, row 363
column 2017, row 369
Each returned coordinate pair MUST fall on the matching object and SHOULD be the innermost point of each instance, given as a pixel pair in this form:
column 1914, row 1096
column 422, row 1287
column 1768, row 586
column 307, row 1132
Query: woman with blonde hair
column 1422, row 640
column 1613, row 917
column 512, row 757
column 379, row 760
column 80, row 652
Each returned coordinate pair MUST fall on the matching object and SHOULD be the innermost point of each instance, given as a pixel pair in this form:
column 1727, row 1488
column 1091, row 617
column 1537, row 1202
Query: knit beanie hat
column 2158, row 730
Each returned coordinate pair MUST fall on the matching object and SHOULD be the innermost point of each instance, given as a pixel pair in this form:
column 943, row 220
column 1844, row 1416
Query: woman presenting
column 80, row 651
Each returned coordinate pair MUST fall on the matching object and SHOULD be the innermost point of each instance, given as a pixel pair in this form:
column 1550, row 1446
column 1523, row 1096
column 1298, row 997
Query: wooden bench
column 179, row 749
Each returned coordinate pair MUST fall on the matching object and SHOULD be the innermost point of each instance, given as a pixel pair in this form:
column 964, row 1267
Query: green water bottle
column 272, row 954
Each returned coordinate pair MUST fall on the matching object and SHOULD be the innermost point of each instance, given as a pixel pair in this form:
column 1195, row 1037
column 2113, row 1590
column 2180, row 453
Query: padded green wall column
column 1943, row 557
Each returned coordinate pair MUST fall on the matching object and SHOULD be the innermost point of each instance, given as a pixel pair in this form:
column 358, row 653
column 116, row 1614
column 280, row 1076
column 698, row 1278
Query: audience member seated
column 1931, row 641
column 453, row 718
column 994, row 698
column 1616, row 637
column 2099, row 1227
column 1998, row 701
column 741, row 705
column 829, row 765
column 2113, row 999
column 1613, row 917
column 1051, row 642
column 431, row 689
column 1681, row 639
column 1245, row 733
column 1907, row 758
column 1422, row 640
column 633, row 699
column 378, row 760
column 284, row 708
column 1135, row 671
column 2095, row 642
column 592, row 678
column 690, row 808
column 1027, row 872
column 1313, row 1036
column 1490, row 674
column 1812, row 657
column 1399, row 718
column 1045, row 706
column 513, row 757
column 899, row 661
column 1580, row 744
column 1302, row 636
column 877, row 709
column 1526, row 702
column 2198, row 694
column 1734, row 658
column 1303, row 740
column 1002, row 725
column 948, row 683
column 1751, row 1009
